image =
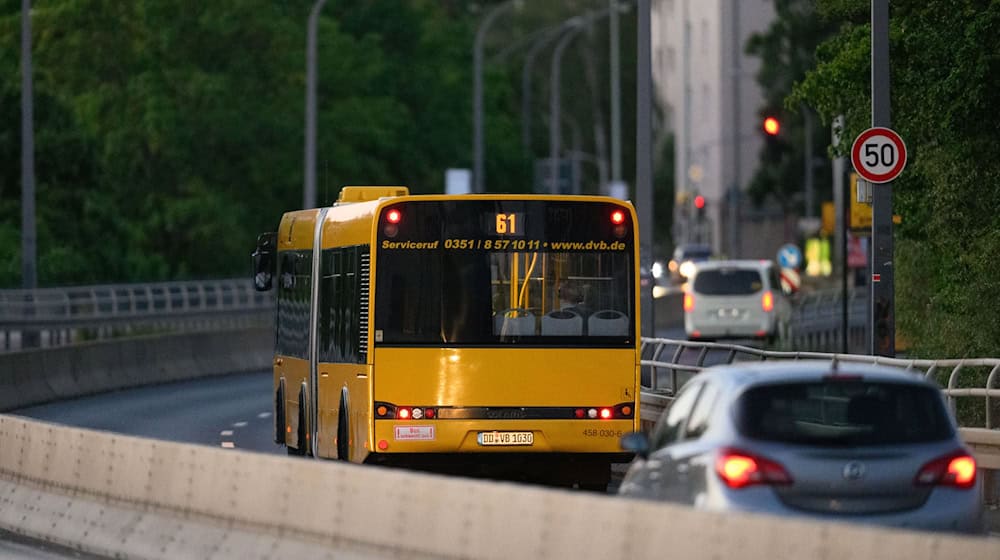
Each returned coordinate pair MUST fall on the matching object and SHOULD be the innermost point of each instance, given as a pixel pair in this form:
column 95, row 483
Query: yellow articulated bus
column 493, row 335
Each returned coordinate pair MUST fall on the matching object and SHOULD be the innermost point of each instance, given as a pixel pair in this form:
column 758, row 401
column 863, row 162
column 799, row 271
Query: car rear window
column 838, row 413
column 728, row 282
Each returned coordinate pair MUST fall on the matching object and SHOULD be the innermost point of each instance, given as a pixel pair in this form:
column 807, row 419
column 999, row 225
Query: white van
column 735, row 299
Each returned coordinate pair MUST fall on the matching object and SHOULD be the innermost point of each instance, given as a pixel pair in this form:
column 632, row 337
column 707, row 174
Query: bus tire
column 343, row 434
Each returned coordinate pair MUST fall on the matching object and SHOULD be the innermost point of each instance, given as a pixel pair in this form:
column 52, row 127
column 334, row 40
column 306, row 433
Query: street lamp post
column 526, row 70
column 644, row 155
column 309, row 191
column 555, row 136
column 478, row 170
column 29, row 276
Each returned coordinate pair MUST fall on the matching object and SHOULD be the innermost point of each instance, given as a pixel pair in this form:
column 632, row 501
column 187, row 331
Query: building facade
column 706, row 85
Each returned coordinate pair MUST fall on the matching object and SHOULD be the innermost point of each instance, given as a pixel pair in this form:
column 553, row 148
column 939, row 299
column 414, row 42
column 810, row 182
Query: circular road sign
column 878, row 155
column 789, row 256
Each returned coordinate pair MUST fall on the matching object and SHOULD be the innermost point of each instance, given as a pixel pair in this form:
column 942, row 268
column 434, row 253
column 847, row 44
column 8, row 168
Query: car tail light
column 955, row 469
column 688, row 302
column 767, row 301
column 739, row 469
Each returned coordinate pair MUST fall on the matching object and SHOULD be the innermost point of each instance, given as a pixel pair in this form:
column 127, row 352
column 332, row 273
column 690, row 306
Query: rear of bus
column 505, row 336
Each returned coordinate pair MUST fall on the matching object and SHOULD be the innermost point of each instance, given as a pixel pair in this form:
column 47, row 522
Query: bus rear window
column 558, row 274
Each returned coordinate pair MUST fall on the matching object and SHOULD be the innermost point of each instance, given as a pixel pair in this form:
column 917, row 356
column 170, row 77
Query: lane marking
column 263, row 415
column 239, row 424
column 226, row 433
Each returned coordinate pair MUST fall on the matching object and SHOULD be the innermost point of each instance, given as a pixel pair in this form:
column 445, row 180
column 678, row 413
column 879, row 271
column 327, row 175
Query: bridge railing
column 667, row 364
column 60, row 316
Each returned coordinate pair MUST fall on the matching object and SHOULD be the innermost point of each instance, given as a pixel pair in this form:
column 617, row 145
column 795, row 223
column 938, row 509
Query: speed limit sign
column 878, row 154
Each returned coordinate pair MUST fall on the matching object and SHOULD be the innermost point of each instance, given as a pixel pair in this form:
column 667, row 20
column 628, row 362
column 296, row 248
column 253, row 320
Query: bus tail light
column 386, row 410
column 617, row 412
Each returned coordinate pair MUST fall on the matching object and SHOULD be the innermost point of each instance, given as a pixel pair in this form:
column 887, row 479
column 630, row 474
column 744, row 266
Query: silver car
column 735, row 299
column 872, row 444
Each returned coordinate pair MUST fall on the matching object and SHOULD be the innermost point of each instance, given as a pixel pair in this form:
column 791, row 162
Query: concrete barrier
column 38, row 376
column 128, row 497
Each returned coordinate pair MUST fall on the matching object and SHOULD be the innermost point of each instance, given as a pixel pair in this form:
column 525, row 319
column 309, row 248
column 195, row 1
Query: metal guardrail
column 818, row 324
column 59, row 316
column 667, row 364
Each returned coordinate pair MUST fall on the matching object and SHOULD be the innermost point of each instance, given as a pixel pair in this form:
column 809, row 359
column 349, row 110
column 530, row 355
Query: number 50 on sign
column 878, row 154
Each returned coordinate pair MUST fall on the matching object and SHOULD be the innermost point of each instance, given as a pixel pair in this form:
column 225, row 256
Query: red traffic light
column 699, row 202
column 772, row 126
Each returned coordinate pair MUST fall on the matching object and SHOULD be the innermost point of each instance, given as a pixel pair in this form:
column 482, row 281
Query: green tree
column 945, row 76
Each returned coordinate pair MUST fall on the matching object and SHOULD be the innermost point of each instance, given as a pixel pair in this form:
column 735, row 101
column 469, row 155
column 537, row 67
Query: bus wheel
column 343, row 437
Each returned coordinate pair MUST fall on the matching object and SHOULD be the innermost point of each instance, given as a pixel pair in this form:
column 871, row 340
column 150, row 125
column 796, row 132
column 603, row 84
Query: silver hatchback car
column 862, row 443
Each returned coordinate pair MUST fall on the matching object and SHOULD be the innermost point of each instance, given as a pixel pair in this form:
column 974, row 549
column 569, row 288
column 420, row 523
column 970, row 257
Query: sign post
column 884, row 152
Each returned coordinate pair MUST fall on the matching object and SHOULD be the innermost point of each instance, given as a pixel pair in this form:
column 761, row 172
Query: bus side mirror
column 264, row 261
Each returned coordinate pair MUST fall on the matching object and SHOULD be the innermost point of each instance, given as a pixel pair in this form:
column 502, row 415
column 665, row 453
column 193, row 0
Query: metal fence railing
column 818, row 322
column 59, row 316
column 668, row 364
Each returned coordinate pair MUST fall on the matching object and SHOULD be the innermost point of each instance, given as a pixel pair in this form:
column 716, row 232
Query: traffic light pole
column 882, row 301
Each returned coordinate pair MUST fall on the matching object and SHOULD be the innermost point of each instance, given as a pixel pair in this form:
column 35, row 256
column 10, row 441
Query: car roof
column 748, row 374
column 742, row 263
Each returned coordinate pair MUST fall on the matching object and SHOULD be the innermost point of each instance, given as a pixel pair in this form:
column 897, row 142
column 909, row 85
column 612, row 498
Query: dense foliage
column 168, row 133
column 945, row 72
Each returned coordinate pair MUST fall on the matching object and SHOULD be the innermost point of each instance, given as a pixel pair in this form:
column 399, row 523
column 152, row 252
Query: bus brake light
column 618, row 217
column 393, row 216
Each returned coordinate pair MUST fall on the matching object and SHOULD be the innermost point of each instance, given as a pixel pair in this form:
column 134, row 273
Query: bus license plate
column 506, row 438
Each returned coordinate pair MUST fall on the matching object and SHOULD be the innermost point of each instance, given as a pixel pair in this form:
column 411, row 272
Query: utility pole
column 734, row 191
column 616, row 111
column 478, row 142
column 644, row 157
column 841, row 203
column 883, row 323
column 29, row 248
column 309, row 192
column 808, row 118
column 555, row 108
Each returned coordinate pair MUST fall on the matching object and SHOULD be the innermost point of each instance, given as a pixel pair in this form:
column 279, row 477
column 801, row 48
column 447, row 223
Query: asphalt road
column 232, row 411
